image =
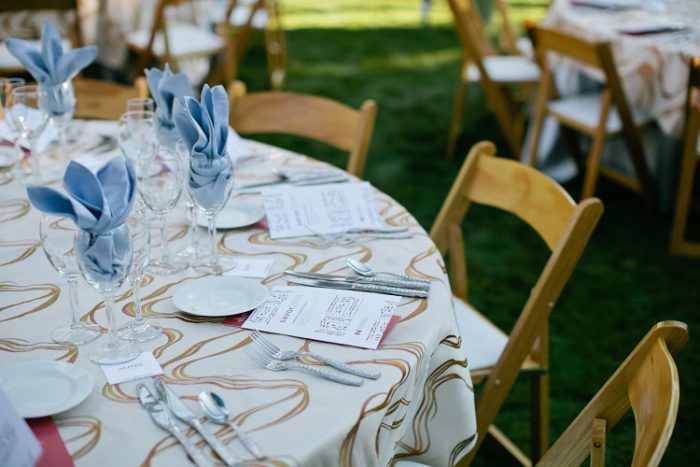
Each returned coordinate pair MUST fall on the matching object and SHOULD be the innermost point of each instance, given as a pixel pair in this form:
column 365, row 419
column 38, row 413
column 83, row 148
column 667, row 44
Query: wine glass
column 191, row 252
column 58, row 102
column 9, row 155
column 57, row 235
column 137, row 134
column 136, row 104
column 210, row 201
column 138, row 329
column 29, row 121
column 107, row 279
column 161, row 180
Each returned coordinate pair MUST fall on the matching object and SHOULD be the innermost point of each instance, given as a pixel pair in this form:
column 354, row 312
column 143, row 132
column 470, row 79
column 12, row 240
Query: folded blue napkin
column 203, row 127
column 98, row 204
column 167, row 90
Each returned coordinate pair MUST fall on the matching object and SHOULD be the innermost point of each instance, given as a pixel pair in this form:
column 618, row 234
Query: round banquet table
column 422, row 406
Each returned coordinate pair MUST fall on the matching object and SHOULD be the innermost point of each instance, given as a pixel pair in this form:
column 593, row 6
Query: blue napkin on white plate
column 203, row 126
column 51, row 65
column 97, row 203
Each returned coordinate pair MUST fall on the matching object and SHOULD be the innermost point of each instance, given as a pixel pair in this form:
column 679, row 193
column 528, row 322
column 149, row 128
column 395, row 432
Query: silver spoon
column 216, row 411
column 364, row 270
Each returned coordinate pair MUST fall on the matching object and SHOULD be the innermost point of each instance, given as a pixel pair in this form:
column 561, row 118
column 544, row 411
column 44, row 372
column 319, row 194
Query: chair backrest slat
column 104, row 100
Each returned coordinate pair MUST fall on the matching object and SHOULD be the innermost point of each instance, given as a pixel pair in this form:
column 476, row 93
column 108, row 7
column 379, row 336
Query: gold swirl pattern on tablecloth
column 297, row 418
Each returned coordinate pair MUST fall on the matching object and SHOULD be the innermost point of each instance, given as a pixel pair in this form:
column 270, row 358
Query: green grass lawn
column 353, row 50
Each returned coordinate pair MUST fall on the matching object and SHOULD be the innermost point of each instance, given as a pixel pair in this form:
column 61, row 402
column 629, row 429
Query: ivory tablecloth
column 422, row 405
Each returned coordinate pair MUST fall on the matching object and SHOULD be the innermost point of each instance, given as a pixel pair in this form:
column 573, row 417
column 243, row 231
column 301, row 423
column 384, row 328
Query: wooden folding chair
column 647, row 381
column 598, row 114
column 168, row 43
column 69, row 8
column 565, row 227
column 498, row 74
column 305, row 115
column 691, row 152
column 105, row 100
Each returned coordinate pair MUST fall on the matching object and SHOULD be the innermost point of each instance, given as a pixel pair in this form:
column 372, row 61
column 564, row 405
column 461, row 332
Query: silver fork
column 279, row 354
column 277, row 365
column 350, row 236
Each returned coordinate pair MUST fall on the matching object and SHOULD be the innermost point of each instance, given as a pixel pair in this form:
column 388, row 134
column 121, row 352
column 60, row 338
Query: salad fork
column 277, row 365
column 279, row 354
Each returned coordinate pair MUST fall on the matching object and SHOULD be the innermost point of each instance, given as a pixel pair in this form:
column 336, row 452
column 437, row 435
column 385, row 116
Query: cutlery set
column 168, row 404
column 352, row 235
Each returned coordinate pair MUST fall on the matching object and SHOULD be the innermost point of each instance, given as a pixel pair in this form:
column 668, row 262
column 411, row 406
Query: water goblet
column 161, row 180
column 210, row 200
column 136, row 135
column 138, row 329
column 58, row 102
column 9, row 155
column 29, row 121
column 57, row 235
column 91, row 249
column 136, row 104
column 191, row 252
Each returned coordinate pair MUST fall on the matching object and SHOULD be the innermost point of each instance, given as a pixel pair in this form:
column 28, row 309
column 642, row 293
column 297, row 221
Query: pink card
column 55, row 453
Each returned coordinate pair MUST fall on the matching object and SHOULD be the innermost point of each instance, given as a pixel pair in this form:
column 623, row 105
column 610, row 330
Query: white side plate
column 219, row 296
column 43, row 388
column 235, row 215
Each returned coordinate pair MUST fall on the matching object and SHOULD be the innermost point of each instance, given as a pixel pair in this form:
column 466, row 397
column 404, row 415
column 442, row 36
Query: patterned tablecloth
column 422, row 405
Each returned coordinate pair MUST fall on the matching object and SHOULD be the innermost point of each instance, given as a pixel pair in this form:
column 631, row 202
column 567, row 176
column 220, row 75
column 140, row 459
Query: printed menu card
column 329, row 315
column 331, row 208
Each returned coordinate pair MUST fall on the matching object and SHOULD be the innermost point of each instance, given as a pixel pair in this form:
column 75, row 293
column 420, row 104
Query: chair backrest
column 647, row 381
column 71, row 6
column 545, row 206
column 305, row 115
column 692, row 108
column 105, row 100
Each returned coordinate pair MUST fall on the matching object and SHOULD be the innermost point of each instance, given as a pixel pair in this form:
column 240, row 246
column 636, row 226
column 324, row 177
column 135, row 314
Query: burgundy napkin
column 55, row 453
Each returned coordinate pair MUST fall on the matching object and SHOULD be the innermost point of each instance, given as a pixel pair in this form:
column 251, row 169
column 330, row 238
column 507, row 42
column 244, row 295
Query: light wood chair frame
column 105, row 100
column 565, row 227
column 689, row 161
column 598, row 56
column 225, row 73
column 475, row 47
column 314, row 117
column 647, row 381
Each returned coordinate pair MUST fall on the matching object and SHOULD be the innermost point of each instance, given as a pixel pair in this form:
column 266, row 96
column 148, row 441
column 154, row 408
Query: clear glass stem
column 73, row 295
column 164, row 252
column 61, row 142
column 192, row 211
column 34, row 159
column 211, row 227
column 136, row 291
column 111, row 324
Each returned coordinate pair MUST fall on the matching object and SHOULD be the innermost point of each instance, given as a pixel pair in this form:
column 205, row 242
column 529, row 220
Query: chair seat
column 482, row 340
column 584, row 110
column 524, row 46
column 185, row 40
column 505, row 69
column 241, row 13
column 10, row 63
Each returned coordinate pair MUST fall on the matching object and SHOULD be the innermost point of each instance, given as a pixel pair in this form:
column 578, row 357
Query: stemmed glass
column 211, row 203
column 58, row 102
column 57, row 235
column 191, row 252
column 28, row 119
column 138, row 329
column 118, row 241
column 137, row 135
column 9, row 155
column 161, row 180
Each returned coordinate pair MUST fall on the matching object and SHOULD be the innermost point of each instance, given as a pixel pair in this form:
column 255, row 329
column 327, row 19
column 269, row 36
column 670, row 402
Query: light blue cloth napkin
column 97, row 203
column 166, row 87
column 51, row 67
column 203, row 127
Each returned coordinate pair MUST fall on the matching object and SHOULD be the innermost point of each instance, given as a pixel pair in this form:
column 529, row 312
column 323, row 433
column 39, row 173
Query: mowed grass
column 352, row 50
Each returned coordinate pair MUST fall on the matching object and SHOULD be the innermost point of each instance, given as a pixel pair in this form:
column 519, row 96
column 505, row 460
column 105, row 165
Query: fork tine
column 266, row 343
column 258, row 358
column 257, row 345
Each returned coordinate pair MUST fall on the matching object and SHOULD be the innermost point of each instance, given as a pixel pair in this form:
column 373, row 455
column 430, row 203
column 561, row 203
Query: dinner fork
column 277, row 365
column 350, row 236
column 279, row 354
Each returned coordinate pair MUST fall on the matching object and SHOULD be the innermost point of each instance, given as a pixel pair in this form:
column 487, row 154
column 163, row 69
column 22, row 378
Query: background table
column 422, row 404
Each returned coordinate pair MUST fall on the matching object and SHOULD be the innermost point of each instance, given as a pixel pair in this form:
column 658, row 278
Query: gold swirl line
column 454, row 455
column 452, row 341
column 422, row 306
column 51, row 294
column 20, row 345
column 16, row 208
column 31, row 247
column 93, row 433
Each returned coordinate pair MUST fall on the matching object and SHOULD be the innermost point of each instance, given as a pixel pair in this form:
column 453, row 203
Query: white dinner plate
column 219, row 296
column 43, row 388
column 236, row 215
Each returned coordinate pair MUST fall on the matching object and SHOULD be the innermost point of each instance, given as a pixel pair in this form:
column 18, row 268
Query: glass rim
column 139, row 99
column 4, row 80
column 27, row 89
column 145, row 114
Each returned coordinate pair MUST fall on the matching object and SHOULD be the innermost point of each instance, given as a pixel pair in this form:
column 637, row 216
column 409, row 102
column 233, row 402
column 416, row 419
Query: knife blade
column 403, row 292
column 181, row 411
column 162, row 418
column 401, row 283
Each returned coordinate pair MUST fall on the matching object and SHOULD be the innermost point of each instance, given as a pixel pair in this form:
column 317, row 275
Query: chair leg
column 539, row 416
column 456, row 123
column 593, row 165
column 685, row 188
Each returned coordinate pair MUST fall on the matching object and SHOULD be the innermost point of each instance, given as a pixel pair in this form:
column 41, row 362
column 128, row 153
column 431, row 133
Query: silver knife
column 401, row 283
column 181, row 411
column 163, row 419
column 310, row 180
column 359, row 287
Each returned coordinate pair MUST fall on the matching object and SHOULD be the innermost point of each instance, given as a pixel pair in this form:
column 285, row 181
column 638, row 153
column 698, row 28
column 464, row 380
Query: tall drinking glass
column 137, row 135
column 107, row 281
column 210, row 202
column 138, row 329
column 191, row 252
column 161, row 179
column 136, row 104
column 57, row 235
column 9, row 155
column 58, row 102
column 29, row 120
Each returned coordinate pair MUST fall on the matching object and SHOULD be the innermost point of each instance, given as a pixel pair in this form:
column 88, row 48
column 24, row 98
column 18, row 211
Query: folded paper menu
column 332, row 208
column 329, row 315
